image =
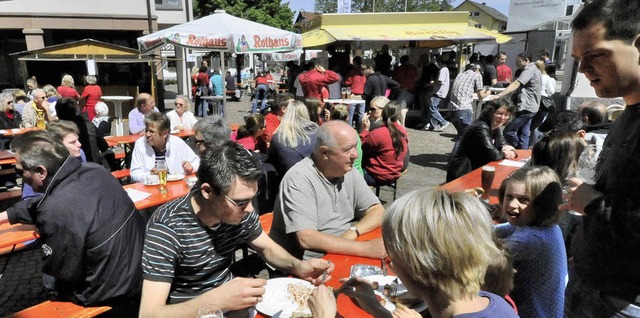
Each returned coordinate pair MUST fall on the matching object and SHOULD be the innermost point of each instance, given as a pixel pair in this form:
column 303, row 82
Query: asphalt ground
column 21, row 282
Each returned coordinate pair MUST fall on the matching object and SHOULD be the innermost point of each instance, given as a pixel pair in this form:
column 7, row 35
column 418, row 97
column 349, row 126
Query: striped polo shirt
column 180, row 250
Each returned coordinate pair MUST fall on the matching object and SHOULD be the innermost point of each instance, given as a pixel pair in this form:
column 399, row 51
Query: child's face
column 516, row 205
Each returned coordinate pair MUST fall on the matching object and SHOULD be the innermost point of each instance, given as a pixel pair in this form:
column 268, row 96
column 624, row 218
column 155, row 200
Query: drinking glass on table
column 348, row 92
column 161, row 166
column 210, row 311
column 488, row 173
column 585, row 167
column 344, row 93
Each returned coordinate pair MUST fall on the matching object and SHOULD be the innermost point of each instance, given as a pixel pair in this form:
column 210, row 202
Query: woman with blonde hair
column 293, row 140
column 374, row 115
column 32, row 84
column 441, row 256
column 67, row 88
column 92, row 94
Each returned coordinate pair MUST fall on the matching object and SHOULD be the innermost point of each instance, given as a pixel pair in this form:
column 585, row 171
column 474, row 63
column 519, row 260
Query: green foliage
column 269, row 12
column 331, row 6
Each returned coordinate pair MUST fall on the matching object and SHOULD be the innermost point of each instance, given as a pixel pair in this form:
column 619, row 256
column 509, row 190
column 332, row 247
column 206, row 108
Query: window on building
column 169, row 4
column 478, row 25
column 569, row 11
column 474, row 14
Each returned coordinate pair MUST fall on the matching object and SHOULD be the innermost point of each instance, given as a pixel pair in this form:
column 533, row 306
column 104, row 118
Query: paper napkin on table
column 512, row 163
column 137, row 195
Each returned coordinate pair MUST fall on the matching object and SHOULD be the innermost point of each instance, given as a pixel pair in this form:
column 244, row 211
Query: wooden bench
column 61, row 309
column 122, row 174
column 15, row 193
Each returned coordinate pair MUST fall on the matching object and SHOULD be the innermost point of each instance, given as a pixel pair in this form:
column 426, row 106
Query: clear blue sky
column 307, row 5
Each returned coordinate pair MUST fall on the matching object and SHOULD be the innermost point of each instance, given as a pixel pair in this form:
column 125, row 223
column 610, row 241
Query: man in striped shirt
column 190, row 242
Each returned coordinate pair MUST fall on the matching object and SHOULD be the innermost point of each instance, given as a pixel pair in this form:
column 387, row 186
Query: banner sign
column 525, row 15
column 344, row 6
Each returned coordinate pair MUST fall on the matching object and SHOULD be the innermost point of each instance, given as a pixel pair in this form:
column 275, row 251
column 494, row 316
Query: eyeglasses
column 198, row 141
column 241, row 203
column 10, row 102
column 178, row 104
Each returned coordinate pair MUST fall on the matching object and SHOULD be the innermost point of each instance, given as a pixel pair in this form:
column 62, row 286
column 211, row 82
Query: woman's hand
column 322, row 303
column 366, row 123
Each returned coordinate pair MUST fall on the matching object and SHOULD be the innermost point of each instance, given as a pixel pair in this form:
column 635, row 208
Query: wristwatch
column 355, row 229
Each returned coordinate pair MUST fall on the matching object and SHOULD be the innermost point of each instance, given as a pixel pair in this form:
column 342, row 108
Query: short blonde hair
column 50, row 91
column 443, row 240
column 379, row 101
column 67, row 80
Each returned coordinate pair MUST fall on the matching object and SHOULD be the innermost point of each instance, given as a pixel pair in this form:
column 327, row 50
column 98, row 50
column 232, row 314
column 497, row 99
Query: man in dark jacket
column 91, row 232
column 377, row 84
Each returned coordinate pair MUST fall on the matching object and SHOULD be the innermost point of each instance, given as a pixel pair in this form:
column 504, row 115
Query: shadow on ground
column 438, row 161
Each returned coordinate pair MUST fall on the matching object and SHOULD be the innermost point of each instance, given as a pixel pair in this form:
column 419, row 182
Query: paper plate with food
column 286, row 298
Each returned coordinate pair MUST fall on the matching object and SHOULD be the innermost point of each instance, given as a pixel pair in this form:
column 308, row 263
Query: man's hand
column 579, row 195
column 320, row 69
column 313, row 269
column 187, row 167
column 239, row 293
column 322, row 303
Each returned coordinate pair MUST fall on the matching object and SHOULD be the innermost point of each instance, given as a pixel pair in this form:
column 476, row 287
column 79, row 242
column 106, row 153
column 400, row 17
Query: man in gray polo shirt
column 516, row 133
column 322, row 197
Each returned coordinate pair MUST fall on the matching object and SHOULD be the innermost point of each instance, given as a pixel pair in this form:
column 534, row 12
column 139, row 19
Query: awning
column 87, row 49
column 428, row 29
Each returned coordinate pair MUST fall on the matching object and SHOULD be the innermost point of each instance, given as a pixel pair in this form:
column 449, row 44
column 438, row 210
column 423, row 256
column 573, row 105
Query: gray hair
column 324, row 138
column 102, row 110
column 160, row 119
column 185, row 99
column 91, row 79
column 4, row 99
column 40, row 148
column 214, row 130
column 67, row 80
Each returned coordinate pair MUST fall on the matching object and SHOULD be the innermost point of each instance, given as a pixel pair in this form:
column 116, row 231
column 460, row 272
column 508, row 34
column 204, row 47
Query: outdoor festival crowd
column 560, row 243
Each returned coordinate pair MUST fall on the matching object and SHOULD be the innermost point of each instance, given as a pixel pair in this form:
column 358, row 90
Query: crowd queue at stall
column 549, row 233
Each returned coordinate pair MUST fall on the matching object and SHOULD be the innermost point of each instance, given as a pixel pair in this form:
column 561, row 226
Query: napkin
column 512, row 163
column 137, row 195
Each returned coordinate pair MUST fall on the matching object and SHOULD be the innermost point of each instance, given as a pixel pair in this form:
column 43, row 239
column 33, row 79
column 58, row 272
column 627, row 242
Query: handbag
column 546, row 102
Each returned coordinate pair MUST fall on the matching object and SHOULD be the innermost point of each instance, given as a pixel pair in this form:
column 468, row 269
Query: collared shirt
column 136, row 120
column 187, row 119
column 466, row 83
column 143, row 158
column 313, row 81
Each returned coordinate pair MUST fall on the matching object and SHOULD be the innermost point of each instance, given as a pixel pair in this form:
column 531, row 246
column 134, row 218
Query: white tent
column 223, row 32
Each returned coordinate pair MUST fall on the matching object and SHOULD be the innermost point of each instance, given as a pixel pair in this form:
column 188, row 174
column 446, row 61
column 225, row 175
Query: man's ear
column 324, row 150
column 636, row 43
column 207, row 191
column 42, row 171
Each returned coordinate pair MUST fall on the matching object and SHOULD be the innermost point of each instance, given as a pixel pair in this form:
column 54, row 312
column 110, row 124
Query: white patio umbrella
column 224, row 33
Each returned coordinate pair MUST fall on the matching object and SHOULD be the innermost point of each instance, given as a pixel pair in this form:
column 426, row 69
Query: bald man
column 321, row 196
column 593, row 112
column 145, row 105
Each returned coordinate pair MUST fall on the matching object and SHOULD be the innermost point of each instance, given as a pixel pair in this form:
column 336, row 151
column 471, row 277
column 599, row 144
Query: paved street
column 20, row 286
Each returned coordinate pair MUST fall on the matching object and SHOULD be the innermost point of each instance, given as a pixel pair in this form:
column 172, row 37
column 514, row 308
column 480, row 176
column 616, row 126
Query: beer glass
column 348, row 92
column 161, row 165
column 344, row 93
column 488, row 173
column 210, row 311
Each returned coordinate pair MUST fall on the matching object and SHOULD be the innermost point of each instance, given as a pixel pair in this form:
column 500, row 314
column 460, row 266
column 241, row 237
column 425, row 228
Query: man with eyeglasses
column 322, row 195
column 190, row 242
column 36, row 113
column 91, row 232
column 159, row 144
column 209, row 132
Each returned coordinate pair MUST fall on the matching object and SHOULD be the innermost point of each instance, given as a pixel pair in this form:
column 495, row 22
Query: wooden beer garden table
column 343, row 263
column 13, row 234
column 175, row 189
column 472, row 179
column 17, row 131
column 130, row 139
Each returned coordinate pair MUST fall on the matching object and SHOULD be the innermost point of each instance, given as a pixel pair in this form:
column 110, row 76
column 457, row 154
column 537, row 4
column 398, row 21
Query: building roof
column 489, row 10
column 303, row 16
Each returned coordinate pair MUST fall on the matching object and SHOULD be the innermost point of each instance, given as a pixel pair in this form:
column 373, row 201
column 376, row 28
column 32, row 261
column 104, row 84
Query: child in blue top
column 529, row 199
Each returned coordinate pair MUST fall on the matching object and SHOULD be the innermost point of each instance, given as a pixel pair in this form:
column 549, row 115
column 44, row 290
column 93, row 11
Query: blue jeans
column 202, row 106
column 516, row 133
column 434, row 114
column 352, row 110
column 461, row 119
column 259, row 89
